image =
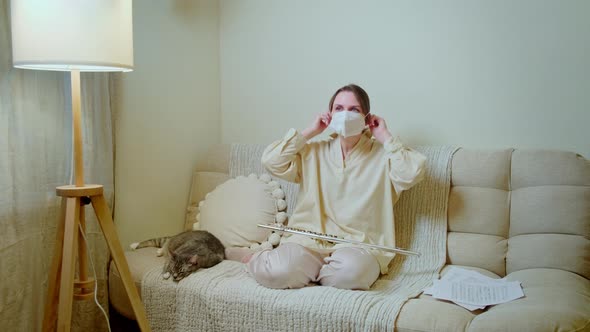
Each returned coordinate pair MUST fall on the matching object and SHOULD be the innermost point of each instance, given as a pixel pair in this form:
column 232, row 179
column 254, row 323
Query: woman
column 348, row 186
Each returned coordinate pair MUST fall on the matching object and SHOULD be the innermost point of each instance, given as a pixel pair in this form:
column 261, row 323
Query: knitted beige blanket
column 226, row 298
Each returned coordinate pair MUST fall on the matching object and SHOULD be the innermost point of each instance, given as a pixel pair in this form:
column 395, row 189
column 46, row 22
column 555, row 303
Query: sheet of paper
column 473, row 290
column 476, row 293
column 458, row 274
column 469, row 306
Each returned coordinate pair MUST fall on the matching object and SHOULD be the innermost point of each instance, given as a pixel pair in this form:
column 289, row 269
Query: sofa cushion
column 431, row 315
column 484, row 251
column 552, row 278
column 479, row 210
column 485, row 272
column 555, row 300
column 551, row 209
column 202, row 184
column 482, row 168
column 547, row 167
column 140, row 261
column 232, row 211
column 558, row 251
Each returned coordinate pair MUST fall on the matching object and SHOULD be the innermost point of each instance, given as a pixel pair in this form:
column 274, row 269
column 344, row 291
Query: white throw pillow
column 234, row 208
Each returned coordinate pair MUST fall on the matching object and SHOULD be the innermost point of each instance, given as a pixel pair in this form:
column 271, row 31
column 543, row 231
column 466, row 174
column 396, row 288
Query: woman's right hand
column 318, row 125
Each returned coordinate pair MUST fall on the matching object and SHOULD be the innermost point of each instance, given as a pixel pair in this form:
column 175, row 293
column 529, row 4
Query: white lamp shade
column 63, row 35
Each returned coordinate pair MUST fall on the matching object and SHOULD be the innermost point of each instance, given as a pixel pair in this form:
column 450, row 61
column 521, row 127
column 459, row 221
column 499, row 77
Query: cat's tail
column 155, row 242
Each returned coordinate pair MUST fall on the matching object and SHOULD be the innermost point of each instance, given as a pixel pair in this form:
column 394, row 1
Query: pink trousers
column 293, row 266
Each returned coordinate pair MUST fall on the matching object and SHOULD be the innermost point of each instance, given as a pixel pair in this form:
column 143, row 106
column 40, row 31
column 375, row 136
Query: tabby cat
column 186, row 252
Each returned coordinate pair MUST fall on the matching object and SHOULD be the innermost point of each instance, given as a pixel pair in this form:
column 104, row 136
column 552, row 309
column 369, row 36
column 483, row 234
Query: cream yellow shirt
column 353, row 197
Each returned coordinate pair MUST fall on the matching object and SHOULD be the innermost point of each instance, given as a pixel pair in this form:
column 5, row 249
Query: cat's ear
column 194, row 260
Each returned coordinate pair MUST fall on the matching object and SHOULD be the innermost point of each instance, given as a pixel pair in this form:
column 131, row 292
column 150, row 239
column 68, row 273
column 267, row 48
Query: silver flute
column 334, row 238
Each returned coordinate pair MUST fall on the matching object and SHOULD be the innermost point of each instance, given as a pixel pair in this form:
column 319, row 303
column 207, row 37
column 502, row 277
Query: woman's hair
column 360, row 94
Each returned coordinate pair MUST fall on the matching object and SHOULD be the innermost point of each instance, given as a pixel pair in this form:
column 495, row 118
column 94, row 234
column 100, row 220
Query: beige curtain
column 35, row 157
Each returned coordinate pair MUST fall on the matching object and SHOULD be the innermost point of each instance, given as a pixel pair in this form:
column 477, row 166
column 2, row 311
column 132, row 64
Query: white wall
column 480, row 74
column 168, row 114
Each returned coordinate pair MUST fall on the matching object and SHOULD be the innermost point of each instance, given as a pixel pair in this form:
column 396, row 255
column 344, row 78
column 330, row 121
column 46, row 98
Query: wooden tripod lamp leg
column 66, row 288
column 105, row 220
column 84, row 286
column 53, row 281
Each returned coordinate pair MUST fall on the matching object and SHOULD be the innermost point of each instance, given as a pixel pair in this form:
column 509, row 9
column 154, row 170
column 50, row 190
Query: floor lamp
column 76, row 36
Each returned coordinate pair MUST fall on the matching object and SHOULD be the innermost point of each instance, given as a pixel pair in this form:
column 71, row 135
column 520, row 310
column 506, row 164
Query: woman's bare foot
column 238, row 254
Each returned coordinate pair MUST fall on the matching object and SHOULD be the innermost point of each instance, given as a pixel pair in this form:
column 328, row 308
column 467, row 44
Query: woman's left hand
column 378, row 128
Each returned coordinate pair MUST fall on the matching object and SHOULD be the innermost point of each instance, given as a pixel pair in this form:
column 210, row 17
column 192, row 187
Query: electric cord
column 95, row 279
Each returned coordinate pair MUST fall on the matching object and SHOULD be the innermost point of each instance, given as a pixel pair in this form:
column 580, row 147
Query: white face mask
column 347, row 123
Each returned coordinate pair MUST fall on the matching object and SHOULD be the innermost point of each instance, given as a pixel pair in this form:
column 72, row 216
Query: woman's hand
column 378, row 128
column 318, row 125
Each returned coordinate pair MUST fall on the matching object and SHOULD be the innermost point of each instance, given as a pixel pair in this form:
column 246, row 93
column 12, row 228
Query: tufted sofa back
column 508, row 209
column 517, row 209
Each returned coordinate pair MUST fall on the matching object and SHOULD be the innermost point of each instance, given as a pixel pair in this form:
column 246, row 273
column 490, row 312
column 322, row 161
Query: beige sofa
column 524, row 214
